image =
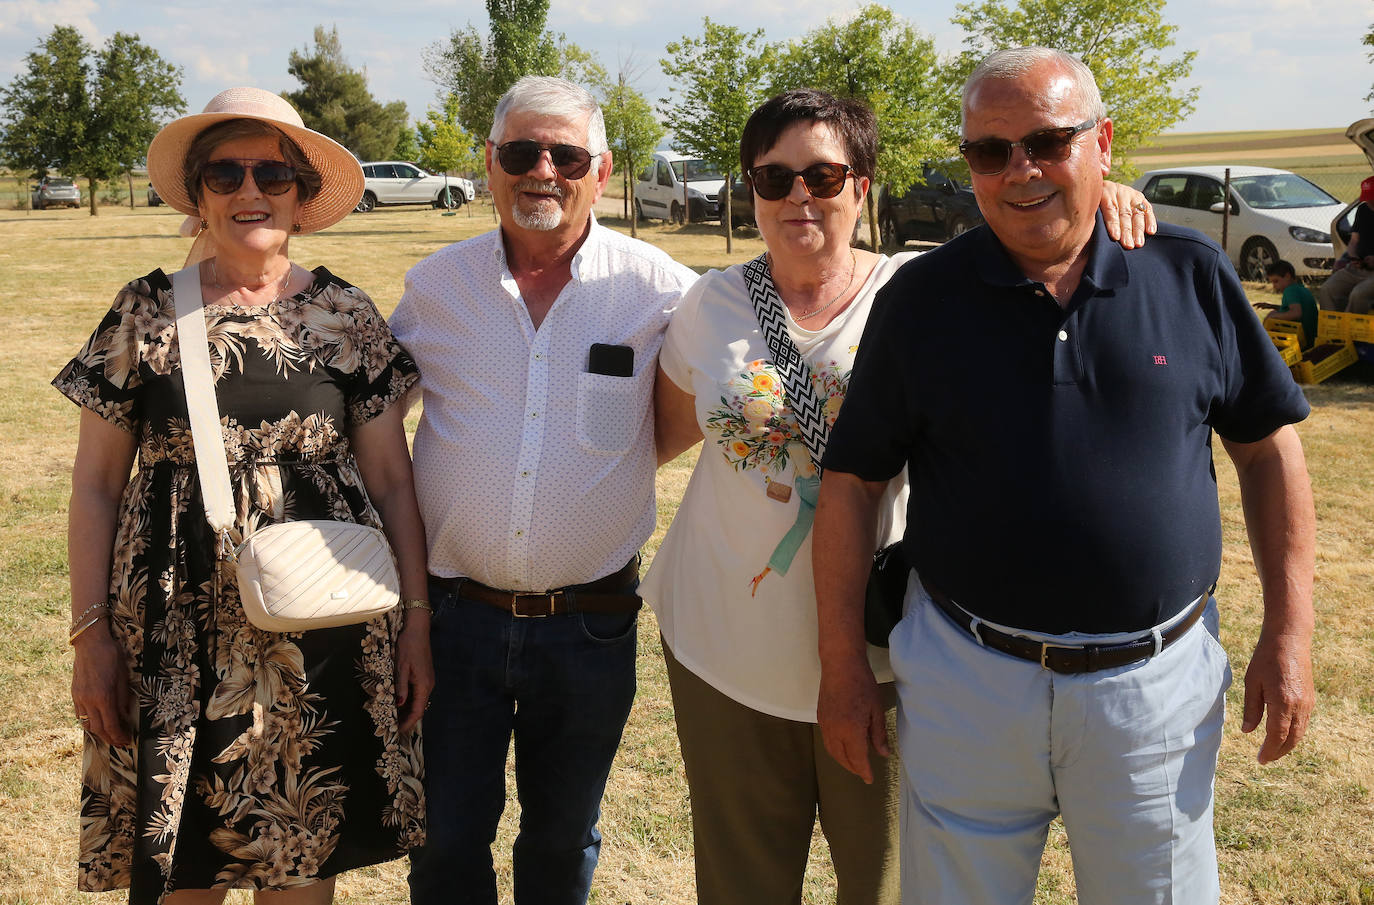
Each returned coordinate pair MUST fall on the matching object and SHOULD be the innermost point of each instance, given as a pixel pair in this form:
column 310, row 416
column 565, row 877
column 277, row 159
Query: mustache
column 537, row 185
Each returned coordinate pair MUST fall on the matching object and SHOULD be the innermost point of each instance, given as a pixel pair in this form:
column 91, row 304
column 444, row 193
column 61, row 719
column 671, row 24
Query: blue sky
column 1261, row 64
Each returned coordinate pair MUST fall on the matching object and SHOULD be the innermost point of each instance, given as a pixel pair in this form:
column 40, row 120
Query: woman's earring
column 295, row 227
column 204, row 224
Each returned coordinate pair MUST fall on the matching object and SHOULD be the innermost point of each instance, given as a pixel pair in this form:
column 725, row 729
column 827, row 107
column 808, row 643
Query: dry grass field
column 1301, row 831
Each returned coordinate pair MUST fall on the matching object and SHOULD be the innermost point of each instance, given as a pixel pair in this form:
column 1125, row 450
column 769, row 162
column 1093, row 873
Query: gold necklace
column 214, row 281
column 853, row 267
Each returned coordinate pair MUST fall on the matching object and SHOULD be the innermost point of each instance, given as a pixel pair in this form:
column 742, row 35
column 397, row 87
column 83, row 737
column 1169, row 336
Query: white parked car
column 671, row 184
column 399, row 182
column 1274, row 214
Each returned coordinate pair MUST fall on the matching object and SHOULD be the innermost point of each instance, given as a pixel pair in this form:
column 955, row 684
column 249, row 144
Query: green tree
column 719, row 79
column 85, row 112
column 478, row 69
column 407, row 145
column 1123, row 42
column 444, row 144
column 633, row 132
column 1368, row 41
column 877, row 57
column 334, row 99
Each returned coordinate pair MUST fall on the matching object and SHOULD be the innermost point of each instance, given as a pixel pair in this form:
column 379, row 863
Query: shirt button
column 538, row 357
column 534, row 414
column 1063, row 335
column 520, row 534
column 524, row 474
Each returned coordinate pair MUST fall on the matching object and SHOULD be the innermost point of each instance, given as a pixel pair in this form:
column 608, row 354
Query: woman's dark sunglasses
column 990, row 156
column 272, row 177
column 519, row 157
column 822, row 180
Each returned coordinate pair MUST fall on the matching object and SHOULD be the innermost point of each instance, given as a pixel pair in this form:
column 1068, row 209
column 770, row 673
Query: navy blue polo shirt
column 1060, row 458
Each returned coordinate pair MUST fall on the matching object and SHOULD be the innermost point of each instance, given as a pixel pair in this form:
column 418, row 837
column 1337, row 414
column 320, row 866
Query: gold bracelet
column 102, row 605
column 77, row 632
column 416, row 605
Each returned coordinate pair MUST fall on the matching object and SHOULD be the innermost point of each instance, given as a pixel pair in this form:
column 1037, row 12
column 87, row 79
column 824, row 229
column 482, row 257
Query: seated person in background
column 1349, row 288
column 1298, row 303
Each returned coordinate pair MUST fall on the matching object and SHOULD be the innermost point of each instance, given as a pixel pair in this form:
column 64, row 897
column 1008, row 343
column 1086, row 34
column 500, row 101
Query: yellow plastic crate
column 1287, row 344
column 1323, row 361
column 1291, row 328
column 1336, row 326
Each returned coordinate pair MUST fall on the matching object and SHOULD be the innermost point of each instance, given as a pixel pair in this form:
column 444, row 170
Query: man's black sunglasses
column 822, row 180
column 990, row 156
column 224, row 177
column 519, row 157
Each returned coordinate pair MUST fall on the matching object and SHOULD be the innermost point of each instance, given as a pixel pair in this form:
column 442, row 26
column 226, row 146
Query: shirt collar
column 584, row 253
column 1106, row 267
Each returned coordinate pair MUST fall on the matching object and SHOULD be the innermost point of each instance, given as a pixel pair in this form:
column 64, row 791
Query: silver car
column 54, row 191
column 398, row 182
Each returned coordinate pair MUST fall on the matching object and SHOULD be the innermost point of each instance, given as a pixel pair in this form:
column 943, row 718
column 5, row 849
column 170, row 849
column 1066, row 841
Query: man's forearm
column 1279, row 517
column 843, row 540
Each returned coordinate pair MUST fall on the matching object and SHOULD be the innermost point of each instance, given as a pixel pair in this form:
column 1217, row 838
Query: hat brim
column 341, row 176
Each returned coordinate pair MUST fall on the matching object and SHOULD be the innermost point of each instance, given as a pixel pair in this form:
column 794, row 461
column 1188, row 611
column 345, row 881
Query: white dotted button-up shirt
column 531, row 472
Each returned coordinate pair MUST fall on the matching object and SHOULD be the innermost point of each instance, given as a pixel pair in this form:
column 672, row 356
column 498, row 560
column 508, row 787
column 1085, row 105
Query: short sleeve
column 682, row 336
column 874, row 431
column 105, row 375
column 1260, row 395
column 356, row 341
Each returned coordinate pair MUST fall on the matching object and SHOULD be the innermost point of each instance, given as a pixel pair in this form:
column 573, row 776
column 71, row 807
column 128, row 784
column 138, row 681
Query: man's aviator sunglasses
column 990, row 156
column 519, row 157
column 272, row 177
column 822, row 180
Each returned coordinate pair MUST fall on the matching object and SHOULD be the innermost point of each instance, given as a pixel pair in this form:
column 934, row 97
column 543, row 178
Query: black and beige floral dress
column 260, row 760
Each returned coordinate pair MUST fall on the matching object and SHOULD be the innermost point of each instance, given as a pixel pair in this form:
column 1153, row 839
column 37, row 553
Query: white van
column 672, row 183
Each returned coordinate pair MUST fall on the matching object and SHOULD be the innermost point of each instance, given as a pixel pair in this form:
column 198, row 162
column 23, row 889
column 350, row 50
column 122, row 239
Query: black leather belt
column 1069, row 659
column 605, row 595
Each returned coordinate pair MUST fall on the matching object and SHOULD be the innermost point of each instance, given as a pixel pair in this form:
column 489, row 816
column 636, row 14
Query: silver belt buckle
column 515, row 605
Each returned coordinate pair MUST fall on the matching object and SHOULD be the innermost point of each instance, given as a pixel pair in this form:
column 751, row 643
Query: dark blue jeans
column 562, row 686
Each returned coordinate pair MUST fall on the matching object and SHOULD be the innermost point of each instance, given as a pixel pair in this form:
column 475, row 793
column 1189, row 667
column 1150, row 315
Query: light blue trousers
column 994, row 747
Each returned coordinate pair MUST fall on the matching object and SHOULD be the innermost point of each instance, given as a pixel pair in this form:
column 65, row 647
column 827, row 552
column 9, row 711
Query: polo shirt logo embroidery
column 1161, row 361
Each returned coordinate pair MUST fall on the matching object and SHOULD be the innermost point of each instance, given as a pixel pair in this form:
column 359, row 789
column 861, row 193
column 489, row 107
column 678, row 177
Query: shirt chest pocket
column 610, row 411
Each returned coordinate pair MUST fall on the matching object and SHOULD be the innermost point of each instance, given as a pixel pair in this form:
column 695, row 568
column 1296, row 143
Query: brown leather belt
column 605, row 595
column 1069, row 659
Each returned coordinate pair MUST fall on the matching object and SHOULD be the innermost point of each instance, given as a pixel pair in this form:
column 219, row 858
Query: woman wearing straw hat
column 219, row 755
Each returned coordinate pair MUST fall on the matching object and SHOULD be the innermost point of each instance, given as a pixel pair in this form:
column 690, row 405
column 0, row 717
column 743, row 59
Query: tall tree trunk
column 630, row 198
column 90, row 181
column 725, row 217
column 130, row 176
column 873, row 218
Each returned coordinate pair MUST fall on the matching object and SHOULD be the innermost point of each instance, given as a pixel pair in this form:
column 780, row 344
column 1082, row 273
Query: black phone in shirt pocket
column 611, row 360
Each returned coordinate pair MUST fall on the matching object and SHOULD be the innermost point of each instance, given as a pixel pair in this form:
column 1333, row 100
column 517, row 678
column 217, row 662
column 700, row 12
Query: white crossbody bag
column 293, row 576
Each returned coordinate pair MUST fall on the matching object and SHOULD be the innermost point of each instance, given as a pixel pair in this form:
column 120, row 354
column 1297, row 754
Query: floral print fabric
column 261, row 760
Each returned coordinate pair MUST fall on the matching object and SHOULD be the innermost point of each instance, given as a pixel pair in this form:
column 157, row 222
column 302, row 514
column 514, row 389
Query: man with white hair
column 1059, row 653
column 534, row 469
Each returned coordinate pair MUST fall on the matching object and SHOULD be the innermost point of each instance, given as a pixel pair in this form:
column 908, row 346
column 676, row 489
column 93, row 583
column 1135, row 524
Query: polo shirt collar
column 1106, row 267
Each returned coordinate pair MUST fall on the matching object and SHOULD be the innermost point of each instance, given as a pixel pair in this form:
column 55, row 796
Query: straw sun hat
column 341, row 176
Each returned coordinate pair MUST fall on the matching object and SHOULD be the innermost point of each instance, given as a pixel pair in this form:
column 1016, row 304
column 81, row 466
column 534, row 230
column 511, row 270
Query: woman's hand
column 1127, row 215
column 100, row 686
column 414, row 668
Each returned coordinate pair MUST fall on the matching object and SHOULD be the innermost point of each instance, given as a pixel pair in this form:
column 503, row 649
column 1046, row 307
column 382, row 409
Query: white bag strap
column 806, row 406
column 201, row 404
